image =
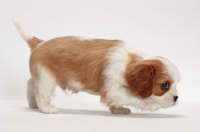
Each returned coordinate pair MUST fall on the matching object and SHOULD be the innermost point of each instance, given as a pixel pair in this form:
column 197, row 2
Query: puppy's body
column 117, row 71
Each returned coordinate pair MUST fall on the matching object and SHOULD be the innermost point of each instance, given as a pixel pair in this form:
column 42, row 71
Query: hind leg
column 45, row 88
column 31, row 93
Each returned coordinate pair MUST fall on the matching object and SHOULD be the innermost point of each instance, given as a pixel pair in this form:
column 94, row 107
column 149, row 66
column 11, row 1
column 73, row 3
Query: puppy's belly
column 71, row 85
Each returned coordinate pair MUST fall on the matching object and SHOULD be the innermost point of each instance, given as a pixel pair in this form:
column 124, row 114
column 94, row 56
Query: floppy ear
column 140, row 80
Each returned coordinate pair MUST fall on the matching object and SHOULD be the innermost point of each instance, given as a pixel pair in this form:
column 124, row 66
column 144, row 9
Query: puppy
column 119, row 72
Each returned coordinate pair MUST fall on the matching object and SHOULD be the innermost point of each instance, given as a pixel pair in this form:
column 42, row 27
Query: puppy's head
column 155, row 79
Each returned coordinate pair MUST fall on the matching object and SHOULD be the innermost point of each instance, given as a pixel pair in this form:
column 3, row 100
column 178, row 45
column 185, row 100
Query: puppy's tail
column 31, row 40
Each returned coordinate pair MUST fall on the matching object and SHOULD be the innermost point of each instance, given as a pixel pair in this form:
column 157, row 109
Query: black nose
column 175, row 98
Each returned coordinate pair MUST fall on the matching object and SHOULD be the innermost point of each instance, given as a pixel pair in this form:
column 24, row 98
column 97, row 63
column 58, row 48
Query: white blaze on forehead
column 171, row 69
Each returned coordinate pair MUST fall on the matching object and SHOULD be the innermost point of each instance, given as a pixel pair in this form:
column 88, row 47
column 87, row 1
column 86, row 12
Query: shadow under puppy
column 119, row 72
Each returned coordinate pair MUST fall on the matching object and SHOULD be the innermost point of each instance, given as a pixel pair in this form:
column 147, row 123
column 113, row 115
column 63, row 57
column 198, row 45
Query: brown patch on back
column 69, row 58
column 145, row 77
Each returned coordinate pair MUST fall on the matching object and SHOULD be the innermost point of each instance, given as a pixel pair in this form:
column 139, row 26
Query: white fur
column 31, row 93
column 117, row 89
column 167, row 99
column 45, row 85
column 171, row 69
column 81, row 38
column 25, row 35
column 40, row 89
column 133, row 48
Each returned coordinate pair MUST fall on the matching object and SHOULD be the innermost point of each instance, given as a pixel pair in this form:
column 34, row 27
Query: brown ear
column 140, row 80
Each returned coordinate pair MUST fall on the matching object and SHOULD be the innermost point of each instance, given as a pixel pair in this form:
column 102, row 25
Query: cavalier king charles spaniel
column 119, row 72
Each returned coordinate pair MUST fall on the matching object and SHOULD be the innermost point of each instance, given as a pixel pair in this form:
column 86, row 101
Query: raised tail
column 31, row 40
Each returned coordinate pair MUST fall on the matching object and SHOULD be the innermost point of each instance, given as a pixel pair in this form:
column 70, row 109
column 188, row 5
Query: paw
column 49, row 109
column 120, row 110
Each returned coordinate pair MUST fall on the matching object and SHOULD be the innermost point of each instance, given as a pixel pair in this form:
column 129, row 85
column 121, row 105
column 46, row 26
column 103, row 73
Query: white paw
column 49, row 109
column 120, row 110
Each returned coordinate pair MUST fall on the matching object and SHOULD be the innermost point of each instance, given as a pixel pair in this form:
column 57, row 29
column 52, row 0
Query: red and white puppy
column 120, row 73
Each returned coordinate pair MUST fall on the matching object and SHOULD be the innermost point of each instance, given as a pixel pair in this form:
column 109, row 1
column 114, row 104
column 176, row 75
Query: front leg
column 120, row 110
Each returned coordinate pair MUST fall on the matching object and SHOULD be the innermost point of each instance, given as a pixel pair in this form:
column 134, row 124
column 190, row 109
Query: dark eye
column 165, row 86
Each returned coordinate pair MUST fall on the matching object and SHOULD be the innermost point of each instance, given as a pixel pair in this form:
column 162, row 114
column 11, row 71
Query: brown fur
column 145, row 78
column 70, row 58
column 82, row 65
column 84, row 61
column 34, row 42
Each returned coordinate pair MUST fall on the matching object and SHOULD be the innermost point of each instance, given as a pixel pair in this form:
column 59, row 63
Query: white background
column 168, row 28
